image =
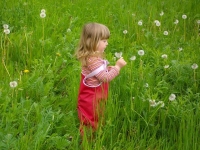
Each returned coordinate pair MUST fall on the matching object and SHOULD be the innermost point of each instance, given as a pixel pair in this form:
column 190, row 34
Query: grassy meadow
column 154, row 104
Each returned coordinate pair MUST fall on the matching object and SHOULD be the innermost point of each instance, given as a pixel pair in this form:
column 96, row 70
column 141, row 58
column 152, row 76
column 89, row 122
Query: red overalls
column 89, row 104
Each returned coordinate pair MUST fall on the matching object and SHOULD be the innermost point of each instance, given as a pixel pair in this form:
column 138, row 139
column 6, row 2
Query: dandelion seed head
column 68, row 30
column 165, row 33
column 180, row 48
column 5, row 26
column 166, row 66
column 158, row 24
column 141, row 52
column 184, row 16
column 198, row 22
column 133, row 58
column 42, row 15
column 176, row 21
column 152, row 103
column 161, row 103
column 118, row 54
column 172, row 97
column 146, row 85
column 140, row 23
column 43, row 11
column 125, row 31
column 133, row 14
column 13, row 84
column 162, row 13
column 164, row 56
column 194, row 66
column 6, row 31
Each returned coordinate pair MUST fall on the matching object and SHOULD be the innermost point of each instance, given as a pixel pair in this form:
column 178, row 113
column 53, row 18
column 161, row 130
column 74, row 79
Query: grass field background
column 153, row 104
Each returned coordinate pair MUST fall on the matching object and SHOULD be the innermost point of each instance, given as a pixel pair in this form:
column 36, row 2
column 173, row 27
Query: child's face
column 102, row 45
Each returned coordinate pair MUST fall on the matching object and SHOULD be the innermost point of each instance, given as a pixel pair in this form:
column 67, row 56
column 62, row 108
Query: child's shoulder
column 94, row 59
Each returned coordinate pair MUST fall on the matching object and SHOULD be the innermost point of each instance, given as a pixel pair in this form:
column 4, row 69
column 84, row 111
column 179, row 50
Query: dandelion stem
column 5, row 67
column 184, row 30
column 26, row 43
column 195, row 83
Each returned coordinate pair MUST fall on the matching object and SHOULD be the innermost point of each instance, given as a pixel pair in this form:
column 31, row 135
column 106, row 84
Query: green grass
column 40, row 113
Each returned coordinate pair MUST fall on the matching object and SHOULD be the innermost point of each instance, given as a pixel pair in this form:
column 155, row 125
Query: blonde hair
column 92, row 33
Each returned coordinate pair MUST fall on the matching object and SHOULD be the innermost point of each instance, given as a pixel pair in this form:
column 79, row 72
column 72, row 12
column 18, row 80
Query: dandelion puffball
column 176, row 21
column 118, row 54
column 125, row 31
column 194, row 66
column 165, row 33
column 172, row 97
column 141, row 52
column 133, row 58
column 13, row 84
column 184, row 16
column 42, row 15
column 6, row 31
column 5, row 26
column 140, row 23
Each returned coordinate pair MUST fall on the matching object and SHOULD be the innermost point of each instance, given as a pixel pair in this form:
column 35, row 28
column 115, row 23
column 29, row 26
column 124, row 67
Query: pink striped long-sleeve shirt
column 103, row 76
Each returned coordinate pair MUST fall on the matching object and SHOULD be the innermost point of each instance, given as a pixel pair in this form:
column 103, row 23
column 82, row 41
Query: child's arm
column 106, row 75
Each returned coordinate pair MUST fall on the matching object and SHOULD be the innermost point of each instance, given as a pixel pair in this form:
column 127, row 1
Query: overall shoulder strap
column 96, row 71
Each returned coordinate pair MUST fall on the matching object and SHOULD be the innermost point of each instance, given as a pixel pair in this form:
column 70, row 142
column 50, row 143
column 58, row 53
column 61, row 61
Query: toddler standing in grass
column 95, row 75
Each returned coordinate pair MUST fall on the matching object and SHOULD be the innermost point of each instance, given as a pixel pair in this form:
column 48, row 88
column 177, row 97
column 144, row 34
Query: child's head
column 92, row 33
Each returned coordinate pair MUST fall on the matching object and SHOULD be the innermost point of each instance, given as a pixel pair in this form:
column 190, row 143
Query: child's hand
column 120, row 63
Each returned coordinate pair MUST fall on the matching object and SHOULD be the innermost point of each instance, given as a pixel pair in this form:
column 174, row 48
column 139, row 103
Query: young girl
column 95, row 75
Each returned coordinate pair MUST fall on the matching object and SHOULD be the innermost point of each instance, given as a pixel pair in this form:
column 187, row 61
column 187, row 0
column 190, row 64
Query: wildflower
column 164, row 56
column 58, row 54
column 165, row 33
column 194, row 66
column 172, row 97
column 180, row 48
column 176, row 21
column 26, row 71
column 5, row 26
column 6, row 31
column 140, row 23
column 125, row 31
column 166, row 66
column 152, row 103
column 198, row 22
column 118, row 55
column 162, row 13
column 13, row 84
column 141, row 52
column 42, row 15
column 43, row 11
column 133, row 98
column 184, row 16
column 161, row 103
column 133, row 58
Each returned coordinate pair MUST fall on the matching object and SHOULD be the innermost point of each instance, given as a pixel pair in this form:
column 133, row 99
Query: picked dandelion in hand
column 118, row 54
